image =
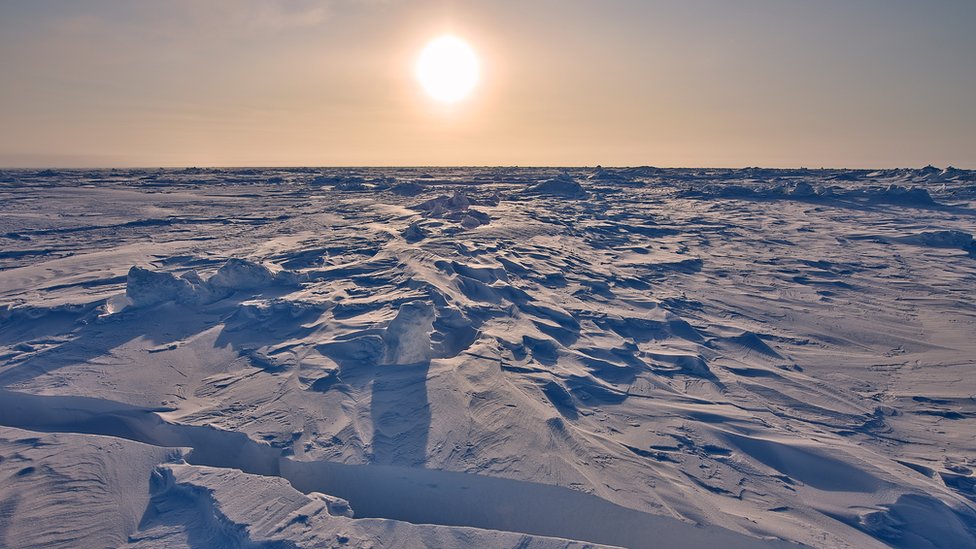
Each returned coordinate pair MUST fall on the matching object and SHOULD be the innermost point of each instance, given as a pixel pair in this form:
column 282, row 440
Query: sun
column 448, row 69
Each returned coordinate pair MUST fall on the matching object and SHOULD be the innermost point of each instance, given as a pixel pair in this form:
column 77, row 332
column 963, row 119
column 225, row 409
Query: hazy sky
column 857, row 83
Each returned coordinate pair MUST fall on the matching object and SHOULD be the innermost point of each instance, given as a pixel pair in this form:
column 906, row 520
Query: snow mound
column 240, row 274
column 802, row 189
column 943, row 239
column 612, row 176
column 909, row 522
column 474, row 218
column 414, row 233
column 455, row 208
column 902, row 195
column 947, row 239
column 561, row 185
column 407, row 188
column 438, row 207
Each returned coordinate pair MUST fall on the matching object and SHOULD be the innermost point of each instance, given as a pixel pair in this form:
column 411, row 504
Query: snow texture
column 635, row 357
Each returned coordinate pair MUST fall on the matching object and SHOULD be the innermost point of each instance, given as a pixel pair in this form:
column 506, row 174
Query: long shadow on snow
column 167, row 323
column 246, row 328
column 399, row 409
column 401, row 415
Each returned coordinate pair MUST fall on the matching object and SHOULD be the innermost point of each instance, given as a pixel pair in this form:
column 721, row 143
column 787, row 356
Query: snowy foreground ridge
column 525, row 358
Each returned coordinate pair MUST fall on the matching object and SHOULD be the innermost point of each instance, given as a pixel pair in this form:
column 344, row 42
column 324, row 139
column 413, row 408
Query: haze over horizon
column 107, row 83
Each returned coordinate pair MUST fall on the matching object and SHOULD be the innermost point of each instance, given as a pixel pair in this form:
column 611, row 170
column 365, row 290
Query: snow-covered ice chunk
column 407, row 338
column 902, row 195
column 802, row 189
column 145, row 287
column 414, row 233
column 240, row 274
column 947, row 239
column 440, row 205
column 943, row 239
column 474, row 218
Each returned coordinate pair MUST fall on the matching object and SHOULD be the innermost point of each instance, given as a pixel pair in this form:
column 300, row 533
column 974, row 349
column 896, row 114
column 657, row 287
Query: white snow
column 466, row 357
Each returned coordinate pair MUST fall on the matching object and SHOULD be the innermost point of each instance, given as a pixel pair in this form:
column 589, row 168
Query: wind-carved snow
column 488, row 357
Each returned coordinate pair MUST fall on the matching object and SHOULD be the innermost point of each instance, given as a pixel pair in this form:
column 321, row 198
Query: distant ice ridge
column 890, row 194
column 145, row 287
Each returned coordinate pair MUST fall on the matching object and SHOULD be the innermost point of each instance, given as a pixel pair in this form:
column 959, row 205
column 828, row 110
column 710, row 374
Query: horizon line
column 456, row 166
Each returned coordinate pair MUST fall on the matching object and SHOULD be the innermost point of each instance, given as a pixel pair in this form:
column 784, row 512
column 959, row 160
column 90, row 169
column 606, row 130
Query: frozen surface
column 488, row 358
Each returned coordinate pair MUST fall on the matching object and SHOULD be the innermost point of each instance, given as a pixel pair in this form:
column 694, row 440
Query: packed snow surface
column 535, row 358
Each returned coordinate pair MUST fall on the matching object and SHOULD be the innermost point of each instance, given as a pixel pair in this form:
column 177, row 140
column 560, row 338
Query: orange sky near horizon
column 882, row 83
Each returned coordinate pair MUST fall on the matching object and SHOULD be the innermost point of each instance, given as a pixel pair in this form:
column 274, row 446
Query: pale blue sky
column 857, row 83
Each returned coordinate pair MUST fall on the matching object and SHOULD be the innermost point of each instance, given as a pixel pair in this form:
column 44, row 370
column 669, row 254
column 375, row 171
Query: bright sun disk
column 448, row 69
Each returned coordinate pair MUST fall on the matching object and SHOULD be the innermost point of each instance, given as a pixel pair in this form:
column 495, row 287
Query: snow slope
column 633, row 357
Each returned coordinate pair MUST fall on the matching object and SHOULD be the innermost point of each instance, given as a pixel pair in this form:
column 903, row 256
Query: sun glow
column 448, row 69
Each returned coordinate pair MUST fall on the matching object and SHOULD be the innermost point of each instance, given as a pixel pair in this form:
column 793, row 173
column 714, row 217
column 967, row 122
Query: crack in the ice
column 415, row 495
